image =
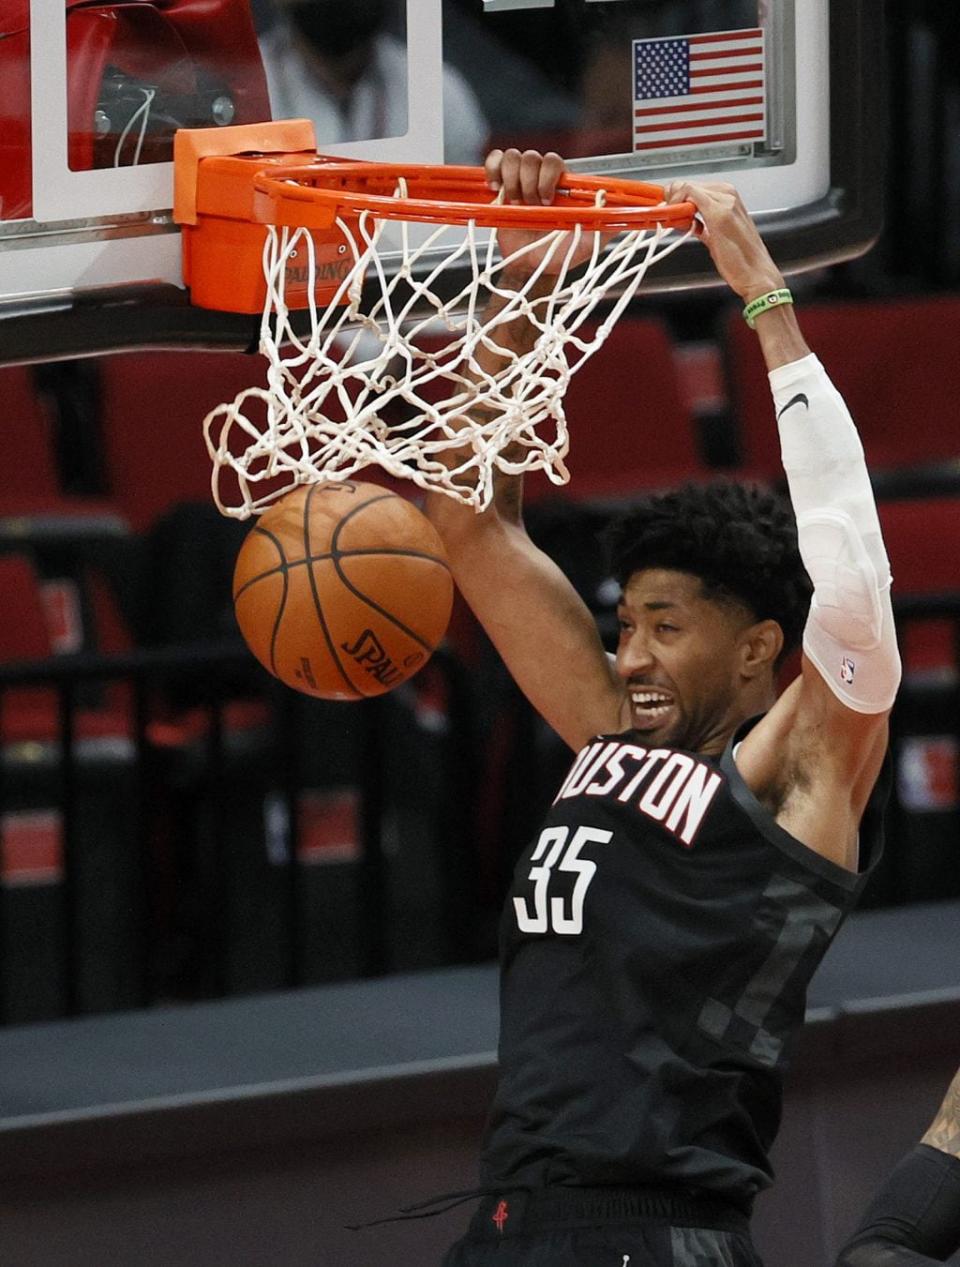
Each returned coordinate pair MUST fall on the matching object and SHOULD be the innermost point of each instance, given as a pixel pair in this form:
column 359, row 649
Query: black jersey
column 656, row 948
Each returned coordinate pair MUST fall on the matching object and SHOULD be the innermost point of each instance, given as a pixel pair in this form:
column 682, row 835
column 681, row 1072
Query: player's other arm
column 539, row 624
column 915, row 1216
column 851, row 664
column 944, row 1130
column 822, row 745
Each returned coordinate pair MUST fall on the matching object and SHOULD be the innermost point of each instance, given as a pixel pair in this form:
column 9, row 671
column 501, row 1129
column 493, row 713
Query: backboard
column 781, row 97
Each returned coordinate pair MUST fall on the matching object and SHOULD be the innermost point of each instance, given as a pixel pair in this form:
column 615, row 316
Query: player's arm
column 539, row 624
column 818, row 752
column 915, row 1217
column 944, row 1130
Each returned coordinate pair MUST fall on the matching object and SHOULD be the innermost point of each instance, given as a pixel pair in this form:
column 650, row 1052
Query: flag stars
column 661, row 68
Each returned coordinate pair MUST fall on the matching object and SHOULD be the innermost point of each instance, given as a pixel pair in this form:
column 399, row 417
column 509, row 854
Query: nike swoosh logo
column 799, row 399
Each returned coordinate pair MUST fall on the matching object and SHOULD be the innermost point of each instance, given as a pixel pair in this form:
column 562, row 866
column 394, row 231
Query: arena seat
column 30, row 713
column 28, row 476
column 26, row 712
column 154, row 405
column 30, row 481
column 630, row 421
column 630, row 427
column 62, row 539
column 925, row 811
column 920, row 537
column 880, row 356
column 27, row 637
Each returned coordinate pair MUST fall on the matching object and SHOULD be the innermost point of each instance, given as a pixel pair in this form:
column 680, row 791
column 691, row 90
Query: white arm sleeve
column 849, row 636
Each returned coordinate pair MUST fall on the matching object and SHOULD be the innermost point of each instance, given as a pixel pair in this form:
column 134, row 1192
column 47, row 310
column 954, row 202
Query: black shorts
column 603, row 1227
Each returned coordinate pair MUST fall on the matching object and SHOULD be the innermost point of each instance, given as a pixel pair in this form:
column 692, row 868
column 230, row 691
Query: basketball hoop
column 403, row 381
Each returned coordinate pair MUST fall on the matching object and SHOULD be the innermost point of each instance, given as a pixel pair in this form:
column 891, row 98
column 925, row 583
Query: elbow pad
column 849, row 637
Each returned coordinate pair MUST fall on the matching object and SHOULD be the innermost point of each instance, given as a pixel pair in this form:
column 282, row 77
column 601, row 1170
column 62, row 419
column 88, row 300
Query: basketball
column 342, row 590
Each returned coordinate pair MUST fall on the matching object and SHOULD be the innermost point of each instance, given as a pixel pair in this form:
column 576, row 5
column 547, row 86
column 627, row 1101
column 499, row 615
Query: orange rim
column 308, row 195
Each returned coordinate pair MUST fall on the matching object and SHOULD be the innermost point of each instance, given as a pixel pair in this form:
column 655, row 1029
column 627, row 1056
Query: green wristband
column 763, row 303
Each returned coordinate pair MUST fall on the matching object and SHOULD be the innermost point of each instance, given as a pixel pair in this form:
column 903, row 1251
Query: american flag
column 695, row 90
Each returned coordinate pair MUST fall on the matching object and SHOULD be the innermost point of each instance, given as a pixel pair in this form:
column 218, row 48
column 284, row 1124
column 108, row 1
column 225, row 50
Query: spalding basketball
column 342, row 590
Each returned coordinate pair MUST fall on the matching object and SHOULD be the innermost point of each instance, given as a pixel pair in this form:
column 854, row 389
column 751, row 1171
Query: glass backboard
column 778, row 96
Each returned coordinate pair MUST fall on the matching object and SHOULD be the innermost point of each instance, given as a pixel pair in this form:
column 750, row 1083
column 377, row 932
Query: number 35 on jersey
column 558, row 849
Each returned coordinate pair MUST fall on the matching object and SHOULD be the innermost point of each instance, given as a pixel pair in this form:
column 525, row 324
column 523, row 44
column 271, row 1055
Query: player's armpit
column 813, row 764
column 839, row 749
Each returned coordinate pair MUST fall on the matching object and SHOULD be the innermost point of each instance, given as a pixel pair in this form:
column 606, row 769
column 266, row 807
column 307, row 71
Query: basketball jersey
column 656, row 947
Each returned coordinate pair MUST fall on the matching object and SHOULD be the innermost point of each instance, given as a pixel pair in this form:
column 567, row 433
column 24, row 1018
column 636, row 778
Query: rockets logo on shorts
column 673, row 788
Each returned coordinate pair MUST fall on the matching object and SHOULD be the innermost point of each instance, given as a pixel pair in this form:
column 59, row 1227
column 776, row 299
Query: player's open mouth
column 650, row 707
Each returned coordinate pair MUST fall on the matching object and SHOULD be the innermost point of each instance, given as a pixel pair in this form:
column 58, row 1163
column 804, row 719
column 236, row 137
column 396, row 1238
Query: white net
column 406, row 383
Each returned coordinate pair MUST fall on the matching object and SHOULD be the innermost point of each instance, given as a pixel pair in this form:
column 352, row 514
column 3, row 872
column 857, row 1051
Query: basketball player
column 914, row 1219
column 710, row 837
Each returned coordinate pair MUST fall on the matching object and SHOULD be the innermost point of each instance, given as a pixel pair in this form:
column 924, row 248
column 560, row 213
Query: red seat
column 153, row 406
column 26, row 712
column 24, row 634
column 28, row 478
column 630, row 426
column 921, row 538
column 31, row 713
column 894, row 362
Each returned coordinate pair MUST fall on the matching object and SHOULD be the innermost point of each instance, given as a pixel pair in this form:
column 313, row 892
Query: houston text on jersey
column 673, row 788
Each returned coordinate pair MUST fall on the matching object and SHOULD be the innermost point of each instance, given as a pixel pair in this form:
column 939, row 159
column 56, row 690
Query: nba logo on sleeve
column 847, row 670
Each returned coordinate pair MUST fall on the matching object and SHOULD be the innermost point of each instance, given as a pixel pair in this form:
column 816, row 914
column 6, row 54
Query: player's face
column 679, row 654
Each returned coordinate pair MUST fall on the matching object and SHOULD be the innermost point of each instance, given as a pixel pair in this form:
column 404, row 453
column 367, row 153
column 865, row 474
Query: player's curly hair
column 739, row 539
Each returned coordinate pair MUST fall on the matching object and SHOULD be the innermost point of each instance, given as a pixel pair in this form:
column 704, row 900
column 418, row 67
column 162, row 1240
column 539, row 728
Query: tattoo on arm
column 508, row 496
column 944, row 1131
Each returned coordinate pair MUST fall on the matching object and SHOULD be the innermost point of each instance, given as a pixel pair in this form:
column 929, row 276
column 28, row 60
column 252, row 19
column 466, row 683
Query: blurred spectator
column 498, row 56
column 338, row 63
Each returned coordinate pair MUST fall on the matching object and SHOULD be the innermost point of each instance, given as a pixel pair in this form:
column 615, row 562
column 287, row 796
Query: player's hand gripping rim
column 529, row 178
column 729, row 233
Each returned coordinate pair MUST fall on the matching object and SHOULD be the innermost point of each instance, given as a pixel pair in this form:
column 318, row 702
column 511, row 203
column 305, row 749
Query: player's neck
column 756, row 698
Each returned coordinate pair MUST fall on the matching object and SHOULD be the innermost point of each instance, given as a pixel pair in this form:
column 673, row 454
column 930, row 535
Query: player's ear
column 760, row 647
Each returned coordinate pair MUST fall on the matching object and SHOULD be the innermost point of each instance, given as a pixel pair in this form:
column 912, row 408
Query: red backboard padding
column 15, row 188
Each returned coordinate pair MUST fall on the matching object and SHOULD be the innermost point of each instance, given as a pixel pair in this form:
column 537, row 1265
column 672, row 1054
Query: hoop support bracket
column 224, row 220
